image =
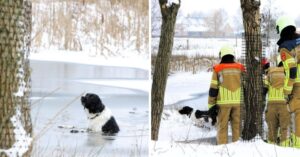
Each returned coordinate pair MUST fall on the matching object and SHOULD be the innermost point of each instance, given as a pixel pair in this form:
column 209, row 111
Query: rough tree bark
column 253, row 78
column 169, row 14
column 15, row 32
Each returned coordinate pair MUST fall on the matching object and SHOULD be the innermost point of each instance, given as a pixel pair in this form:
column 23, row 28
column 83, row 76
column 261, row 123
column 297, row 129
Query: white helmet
column 226, row 50
column 284, row 21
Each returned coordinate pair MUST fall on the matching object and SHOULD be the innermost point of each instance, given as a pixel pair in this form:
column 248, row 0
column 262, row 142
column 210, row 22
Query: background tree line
column 103, row 27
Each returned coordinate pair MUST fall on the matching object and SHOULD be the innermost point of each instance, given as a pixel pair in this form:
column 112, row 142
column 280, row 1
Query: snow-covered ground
column 178, row 135
column 236, row 149
column 184, row 85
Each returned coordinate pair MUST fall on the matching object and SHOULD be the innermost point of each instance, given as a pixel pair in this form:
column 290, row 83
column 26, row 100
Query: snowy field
column 180, row 137
column 200, row 46
column 208, row 46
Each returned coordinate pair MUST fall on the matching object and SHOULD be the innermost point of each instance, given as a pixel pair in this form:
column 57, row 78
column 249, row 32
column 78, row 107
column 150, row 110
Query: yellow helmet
column 283, row 22
column 226, row 50
column 278, row 60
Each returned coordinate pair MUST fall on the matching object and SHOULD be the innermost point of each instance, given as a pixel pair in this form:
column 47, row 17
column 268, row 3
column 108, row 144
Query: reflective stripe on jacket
column 274, row 82
column 290, row 56
column 297, row 81
column 225, row 87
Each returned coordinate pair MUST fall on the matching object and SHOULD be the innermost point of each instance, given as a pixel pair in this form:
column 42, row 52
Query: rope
column 45, row 96
column 49, row 124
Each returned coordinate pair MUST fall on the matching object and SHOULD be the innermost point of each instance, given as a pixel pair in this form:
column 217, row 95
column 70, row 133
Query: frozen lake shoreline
column 134, row 61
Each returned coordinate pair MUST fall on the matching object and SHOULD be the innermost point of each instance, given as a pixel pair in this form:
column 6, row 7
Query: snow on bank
column 132, row 61
column 184, row 85
column 180, row 128
column 142, row 85
column 236, row 149
column 179, row 137
column 22, row 139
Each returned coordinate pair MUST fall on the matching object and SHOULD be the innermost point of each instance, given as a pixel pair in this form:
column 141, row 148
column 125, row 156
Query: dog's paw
column 74, row 131
column 214, row 121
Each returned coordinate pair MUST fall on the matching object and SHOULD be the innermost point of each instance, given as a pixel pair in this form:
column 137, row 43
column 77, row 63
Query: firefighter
column 265, row 65
column 277, row 114
column 225, row 91
column 289, row 49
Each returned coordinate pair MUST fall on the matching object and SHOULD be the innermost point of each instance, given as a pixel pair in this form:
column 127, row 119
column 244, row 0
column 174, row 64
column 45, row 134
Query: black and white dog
column 99, row 116
column 196, row 115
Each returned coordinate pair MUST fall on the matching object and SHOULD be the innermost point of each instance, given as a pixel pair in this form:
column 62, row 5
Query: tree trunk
column 253, row 78
column 15, row 31
column 162, row 64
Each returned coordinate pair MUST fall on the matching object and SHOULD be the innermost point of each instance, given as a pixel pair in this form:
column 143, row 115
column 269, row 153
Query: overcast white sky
column 288, row 7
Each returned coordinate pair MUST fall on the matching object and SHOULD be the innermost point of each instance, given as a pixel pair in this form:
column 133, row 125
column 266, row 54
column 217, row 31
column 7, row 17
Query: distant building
column 190, row 27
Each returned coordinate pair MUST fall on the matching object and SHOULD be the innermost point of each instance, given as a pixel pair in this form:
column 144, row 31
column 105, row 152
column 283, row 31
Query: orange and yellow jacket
column 274, row 84
column 290, row 55
column 225, row 87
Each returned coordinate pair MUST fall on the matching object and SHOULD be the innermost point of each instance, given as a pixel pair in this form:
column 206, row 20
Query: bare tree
column 238, row 22
column 169, row 14
column 106, row 26
column 268, row 20
column 155, row 17
column 15, row 31
column 253, row 79
column 215, row 22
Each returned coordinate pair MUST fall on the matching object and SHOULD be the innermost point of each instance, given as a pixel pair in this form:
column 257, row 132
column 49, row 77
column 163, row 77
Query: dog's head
column 210, row 115
column 202, row 114
column 92, row 103
column 186, row 110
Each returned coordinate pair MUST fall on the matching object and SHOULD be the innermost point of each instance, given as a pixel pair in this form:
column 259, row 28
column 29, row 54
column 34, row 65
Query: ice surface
column 128, row 105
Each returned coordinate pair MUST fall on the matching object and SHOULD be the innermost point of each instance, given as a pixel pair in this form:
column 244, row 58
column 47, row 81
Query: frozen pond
column 199, row 102
column 60, row 83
